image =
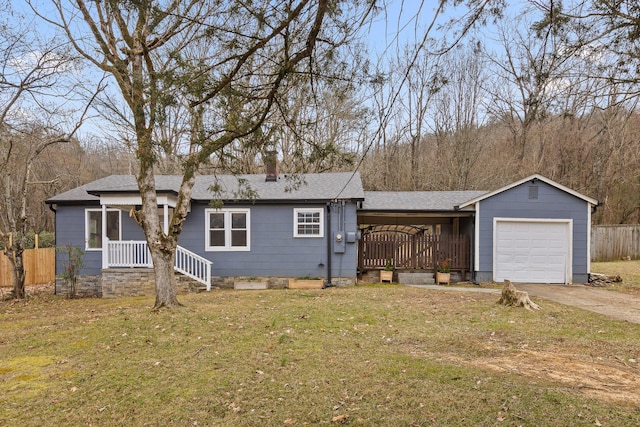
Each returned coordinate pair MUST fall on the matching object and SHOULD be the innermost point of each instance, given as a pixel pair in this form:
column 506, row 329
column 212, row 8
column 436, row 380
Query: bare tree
column 32, row 73
column 457, row 118
column 247, row 56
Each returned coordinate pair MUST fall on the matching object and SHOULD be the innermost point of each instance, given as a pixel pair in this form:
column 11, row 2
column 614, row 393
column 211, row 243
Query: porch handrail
column 135, row 253
column 127, row 253
column 193, row 265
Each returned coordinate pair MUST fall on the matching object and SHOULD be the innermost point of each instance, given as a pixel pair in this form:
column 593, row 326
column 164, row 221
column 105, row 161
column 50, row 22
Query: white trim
column 227, row 230
column 165, row 219
column 569, row 255
column 296, row 211
column 103, row 230
column 530, row 178
column 476, row 240
column 136, row 199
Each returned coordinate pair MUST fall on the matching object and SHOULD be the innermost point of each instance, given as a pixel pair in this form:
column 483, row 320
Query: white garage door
column 532, row 251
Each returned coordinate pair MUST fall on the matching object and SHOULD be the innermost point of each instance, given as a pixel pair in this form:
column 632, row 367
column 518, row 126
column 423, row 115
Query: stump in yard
column 512, row 297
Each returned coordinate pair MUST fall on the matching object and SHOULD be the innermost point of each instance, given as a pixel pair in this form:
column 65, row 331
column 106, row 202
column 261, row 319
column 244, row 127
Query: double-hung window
column 308, row 222
column 227, row 230
column 93, row 227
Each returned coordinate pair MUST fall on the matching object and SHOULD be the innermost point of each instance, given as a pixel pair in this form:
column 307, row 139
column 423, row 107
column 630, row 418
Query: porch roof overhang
column 134, row 199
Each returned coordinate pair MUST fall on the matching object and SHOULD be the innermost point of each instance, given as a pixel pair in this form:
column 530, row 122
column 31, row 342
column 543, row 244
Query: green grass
column 628, row 270
column 381, row 355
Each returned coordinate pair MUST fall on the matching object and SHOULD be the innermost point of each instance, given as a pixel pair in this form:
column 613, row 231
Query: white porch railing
column 135, row 253
column 193, row 265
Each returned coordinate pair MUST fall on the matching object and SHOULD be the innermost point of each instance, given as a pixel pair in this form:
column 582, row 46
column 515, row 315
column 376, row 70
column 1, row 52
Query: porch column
column 165, row 226
column 105, row 239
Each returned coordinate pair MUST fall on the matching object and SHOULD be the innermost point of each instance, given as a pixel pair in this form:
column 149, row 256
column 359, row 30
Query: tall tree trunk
column 18, row 275
column 165, row 281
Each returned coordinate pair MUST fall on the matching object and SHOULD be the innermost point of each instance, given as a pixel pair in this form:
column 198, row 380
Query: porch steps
column 413, row 278
column 188, row 283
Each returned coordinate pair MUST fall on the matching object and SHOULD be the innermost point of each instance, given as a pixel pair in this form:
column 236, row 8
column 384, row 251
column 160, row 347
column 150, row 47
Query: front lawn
column 363, row 356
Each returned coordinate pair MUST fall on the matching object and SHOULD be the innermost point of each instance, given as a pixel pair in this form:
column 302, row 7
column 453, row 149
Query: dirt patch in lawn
column 611, row 380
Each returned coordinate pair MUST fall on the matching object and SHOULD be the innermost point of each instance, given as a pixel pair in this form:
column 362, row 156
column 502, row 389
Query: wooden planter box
column 250, row 284
column 386, row 276
column 306, row 283
column 443, row 278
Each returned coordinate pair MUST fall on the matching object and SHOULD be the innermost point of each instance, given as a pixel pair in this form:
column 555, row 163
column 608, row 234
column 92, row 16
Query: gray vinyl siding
column 274, row 252
column 552, row 203
column 70, row 230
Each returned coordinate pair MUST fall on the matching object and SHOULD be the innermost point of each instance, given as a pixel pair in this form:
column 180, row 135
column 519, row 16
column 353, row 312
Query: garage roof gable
column 533, row 178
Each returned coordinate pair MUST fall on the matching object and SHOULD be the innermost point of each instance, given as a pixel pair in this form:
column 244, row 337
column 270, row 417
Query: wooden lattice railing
column 413, row 251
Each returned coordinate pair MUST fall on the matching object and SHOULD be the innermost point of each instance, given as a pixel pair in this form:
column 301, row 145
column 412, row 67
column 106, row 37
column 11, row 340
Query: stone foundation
column 87, row 286
column 135, row 282
column 272, row 282
column 128, row 282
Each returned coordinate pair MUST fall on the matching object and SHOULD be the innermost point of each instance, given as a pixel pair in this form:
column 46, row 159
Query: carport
column 415, row 230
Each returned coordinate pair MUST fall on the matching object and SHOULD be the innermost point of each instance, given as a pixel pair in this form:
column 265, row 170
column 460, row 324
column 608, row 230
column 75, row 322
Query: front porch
column 134, row 254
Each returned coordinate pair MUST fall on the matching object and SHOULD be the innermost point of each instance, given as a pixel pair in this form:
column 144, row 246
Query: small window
column 227, row 230
column 533, row 192
column 93, row 227
column 308, row 222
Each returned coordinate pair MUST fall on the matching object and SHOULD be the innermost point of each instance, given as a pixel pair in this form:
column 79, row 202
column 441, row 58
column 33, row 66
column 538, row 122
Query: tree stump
column 511, row 297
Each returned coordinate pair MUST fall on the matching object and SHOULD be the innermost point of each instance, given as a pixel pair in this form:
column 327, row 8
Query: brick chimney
column 271, row 165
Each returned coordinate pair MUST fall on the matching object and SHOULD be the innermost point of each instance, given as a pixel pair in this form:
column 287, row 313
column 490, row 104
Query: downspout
column 328, row 246
column 55, row 245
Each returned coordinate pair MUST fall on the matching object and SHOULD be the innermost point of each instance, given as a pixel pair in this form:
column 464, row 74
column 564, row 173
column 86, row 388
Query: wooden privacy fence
column 413, row 251
column 614, row 242
column 39, row 266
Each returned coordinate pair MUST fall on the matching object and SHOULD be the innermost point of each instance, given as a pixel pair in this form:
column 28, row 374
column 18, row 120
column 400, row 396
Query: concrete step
column 415, row 278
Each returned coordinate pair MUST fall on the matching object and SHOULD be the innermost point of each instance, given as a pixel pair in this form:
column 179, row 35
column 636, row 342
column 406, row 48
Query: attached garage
column 530, row 250
column 532, row 231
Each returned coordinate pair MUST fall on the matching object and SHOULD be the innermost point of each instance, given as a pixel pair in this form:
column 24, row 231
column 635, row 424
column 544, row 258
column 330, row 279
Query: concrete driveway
column 609, row 303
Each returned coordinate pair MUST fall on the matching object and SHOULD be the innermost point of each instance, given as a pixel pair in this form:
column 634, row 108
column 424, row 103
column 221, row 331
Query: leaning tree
column 228, row 65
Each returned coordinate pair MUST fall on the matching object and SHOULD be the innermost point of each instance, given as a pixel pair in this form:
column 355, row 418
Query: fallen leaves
column 340, row 419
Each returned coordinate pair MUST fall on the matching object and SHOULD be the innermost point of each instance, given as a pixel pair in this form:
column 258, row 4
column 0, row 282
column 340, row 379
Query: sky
column 401, row 22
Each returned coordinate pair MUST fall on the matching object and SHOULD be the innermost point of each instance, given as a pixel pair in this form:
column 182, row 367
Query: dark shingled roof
column 307, row 187
column 416, row 200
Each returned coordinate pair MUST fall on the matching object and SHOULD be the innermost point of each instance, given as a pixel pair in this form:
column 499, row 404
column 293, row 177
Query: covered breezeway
column 416, row 231
column 411, row 248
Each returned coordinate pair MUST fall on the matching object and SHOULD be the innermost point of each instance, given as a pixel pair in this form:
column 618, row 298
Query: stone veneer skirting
column 272, row 282
column 87, row 286
column 124, row 282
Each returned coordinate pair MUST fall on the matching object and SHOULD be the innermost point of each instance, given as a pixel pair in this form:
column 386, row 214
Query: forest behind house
column 504, row 102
